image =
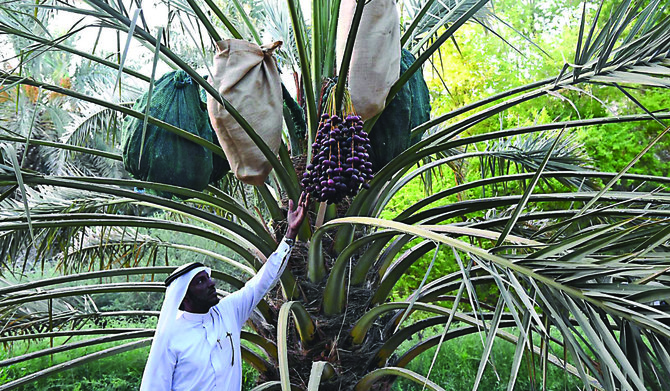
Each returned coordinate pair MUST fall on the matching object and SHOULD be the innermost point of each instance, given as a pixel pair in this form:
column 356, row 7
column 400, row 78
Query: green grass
column 117, row 373
column 456, row 368
column 121, row 372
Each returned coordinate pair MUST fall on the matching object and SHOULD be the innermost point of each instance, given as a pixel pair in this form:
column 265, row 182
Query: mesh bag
column 391, row 134
column 165, row 157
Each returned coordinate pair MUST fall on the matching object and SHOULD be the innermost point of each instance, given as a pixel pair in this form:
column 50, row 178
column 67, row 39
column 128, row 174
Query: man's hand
column 297, row 215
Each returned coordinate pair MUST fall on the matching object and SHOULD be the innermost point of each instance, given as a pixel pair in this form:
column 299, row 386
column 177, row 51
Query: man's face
column 201, row 294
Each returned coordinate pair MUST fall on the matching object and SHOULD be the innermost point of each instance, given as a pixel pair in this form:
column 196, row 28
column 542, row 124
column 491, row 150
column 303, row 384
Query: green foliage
column 119, row 373
column 142, row 301
column 583, row 278
column 614, row 146
column 456, row 367
column 483, row 64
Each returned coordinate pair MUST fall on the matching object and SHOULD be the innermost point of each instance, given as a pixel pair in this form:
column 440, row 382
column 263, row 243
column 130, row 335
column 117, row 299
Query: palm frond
column 426, row 22
column 278, row 26
column 619, row 302
column 82, row 132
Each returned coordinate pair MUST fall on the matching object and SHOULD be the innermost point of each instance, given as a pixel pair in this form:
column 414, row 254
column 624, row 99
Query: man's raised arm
column 246, row 299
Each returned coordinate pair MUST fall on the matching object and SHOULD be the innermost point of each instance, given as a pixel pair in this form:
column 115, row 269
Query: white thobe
column 204, row 349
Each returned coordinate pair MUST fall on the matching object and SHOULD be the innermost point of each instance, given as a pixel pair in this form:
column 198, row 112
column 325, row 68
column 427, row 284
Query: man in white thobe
column 197, row 340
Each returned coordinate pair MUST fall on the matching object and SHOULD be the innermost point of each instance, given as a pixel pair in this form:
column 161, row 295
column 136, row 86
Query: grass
column 118, row 373
column 456, row 368
column 121, row 372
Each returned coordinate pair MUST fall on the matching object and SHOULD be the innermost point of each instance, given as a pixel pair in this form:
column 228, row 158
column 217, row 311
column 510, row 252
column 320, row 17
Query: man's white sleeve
column 246, row 299
column 158, row 371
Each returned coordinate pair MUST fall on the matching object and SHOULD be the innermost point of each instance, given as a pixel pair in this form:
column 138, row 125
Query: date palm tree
column 544, row 252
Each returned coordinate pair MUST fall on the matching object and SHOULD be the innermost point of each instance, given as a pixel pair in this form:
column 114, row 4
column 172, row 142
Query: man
column 197, row 340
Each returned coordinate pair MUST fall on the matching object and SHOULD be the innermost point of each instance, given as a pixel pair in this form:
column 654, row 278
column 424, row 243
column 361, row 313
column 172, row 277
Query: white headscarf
column 174, row 294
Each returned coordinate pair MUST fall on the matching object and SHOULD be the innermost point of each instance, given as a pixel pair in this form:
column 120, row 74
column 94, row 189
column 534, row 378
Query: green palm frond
column 278, row 26
column 436, row 15
column 82, row 132
column 563, row 298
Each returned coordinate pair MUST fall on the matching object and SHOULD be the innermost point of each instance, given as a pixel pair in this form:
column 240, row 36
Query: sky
column 154, row 12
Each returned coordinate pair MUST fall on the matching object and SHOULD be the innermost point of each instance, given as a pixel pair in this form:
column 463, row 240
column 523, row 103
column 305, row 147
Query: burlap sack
column 375, row 61
column 246, row 75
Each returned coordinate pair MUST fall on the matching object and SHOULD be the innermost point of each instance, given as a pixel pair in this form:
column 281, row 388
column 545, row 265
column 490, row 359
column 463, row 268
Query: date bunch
column 340, row 164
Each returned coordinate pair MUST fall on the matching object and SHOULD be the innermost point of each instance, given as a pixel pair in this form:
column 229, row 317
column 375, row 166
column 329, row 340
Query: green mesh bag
column 391, row 134
column 166, row 157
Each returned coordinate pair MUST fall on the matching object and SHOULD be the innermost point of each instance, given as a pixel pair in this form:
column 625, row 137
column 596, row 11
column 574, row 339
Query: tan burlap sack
column 246, row 75
column 375, row 61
